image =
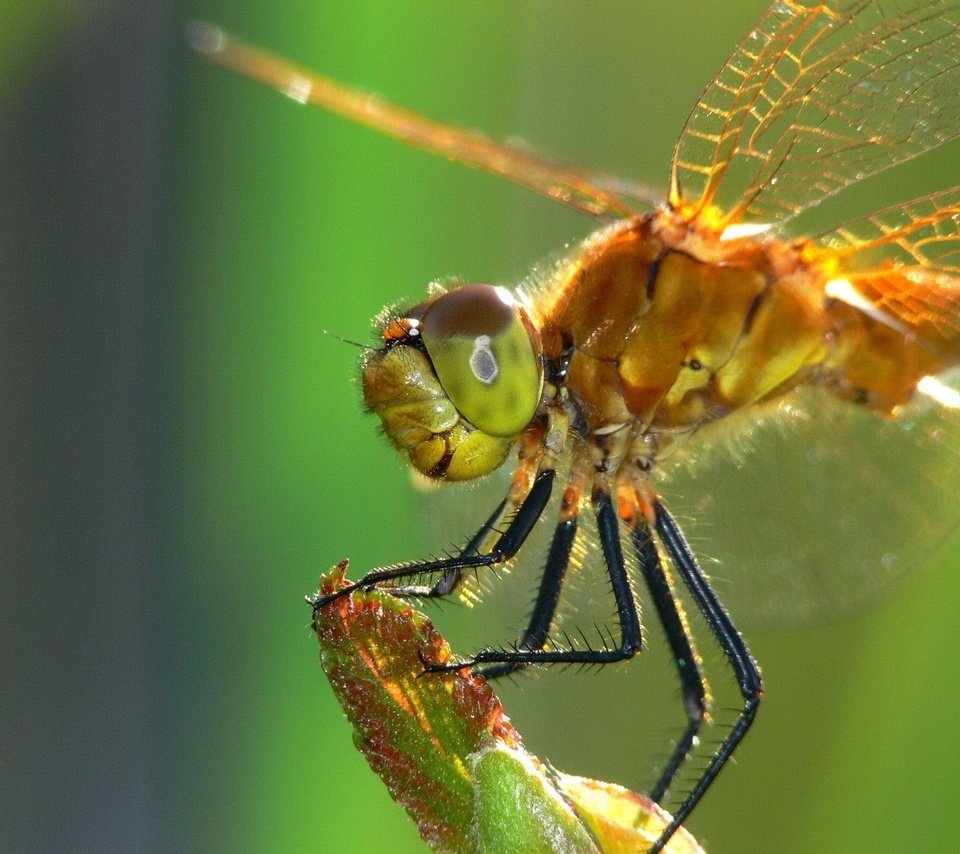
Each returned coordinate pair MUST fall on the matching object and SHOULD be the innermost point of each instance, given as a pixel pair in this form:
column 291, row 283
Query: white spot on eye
column 504, row 296
column 482, row 361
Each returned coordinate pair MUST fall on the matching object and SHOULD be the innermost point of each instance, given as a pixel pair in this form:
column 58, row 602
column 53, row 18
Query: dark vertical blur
column 81, row 156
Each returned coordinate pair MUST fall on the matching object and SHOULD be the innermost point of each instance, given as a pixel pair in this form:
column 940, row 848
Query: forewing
column 474, row 149
column 815, row 98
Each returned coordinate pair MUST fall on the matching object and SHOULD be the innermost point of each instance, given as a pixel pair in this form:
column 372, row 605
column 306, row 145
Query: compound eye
column 486, row 355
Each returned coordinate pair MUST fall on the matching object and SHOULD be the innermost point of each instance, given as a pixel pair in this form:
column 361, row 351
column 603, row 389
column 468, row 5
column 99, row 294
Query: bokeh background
column 182, row 450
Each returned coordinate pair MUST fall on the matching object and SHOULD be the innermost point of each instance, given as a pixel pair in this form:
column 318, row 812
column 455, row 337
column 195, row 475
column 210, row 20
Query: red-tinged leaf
column 447, row 752
column 416, row 730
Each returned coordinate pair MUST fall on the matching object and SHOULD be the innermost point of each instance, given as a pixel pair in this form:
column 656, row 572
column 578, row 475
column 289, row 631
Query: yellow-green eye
column 486, row 356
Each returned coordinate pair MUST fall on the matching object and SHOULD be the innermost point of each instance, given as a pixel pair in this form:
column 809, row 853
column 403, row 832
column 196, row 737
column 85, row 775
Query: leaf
column 621, row 820
column 447, row 752
column 517, row 808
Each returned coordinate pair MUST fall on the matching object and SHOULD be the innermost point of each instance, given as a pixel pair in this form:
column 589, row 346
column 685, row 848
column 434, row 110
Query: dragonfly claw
column 447, row 667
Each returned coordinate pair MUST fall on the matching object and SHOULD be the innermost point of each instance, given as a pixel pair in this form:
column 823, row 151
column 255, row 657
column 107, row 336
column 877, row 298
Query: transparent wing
column 813, row 506
column 817, row 97
column 922, row 236
column 469, row 147
column 905, row 261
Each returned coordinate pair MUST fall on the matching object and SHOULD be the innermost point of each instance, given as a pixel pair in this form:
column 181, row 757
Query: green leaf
column 447, row 752
column 517, row 809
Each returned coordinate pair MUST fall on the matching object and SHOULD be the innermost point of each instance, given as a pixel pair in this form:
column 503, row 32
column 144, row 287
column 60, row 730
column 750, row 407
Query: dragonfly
column 685, row 331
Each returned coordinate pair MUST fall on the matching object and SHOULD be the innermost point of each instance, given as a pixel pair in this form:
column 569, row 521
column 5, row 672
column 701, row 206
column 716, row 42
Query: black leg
column 609, row 530
column 548, row 595
column 744, row 667
column 681, row 647
column 503, row 549
column 452, row 578
column 629, row 618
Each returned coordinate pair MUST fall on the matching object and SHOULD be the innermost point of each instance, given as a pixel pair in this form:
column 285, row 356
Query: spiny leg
column 503, row 549
column 548, row 596
column 734, row 648
column 524, row 479
column 628, row 616
column 682, row 649
column 452, row 578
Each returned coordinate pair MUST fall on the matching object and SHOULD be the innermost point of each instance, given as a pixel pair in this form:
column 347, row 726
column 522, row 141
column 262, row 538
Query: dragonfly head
column 456, row 380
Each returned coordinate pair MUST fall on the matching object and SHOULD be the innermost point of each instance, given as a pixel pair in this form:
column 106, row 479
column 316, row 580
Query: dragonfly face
column 703, row 315
column 456, row 381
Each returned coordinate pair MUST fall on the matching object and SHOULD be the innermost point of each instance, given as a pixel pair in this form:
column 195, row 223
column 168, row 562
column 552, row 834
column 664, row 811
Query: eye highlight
column 482, row 361
column 486, row 356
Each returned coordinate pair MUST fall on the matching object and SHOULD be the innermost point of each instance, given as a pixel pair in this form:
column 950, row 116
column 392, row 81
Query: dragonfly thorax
column 661, row 328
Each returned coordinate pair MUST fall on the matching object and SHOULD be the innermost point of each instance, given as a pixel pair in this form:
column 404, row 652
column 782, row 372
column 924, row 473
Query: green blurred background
column 184, row 450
